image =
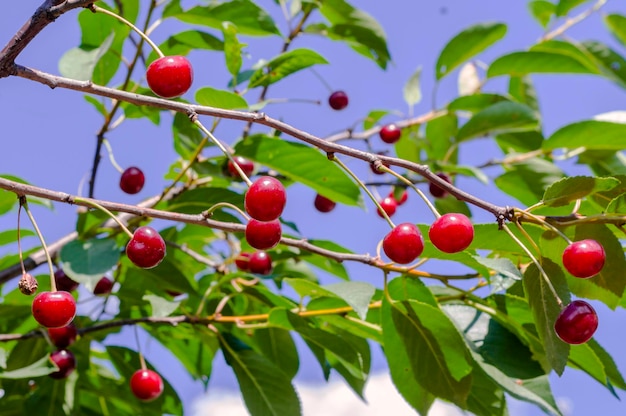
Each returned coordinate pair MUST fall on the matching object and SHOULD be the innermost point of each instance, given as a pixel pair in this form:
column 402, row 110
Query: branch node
column 330, row 155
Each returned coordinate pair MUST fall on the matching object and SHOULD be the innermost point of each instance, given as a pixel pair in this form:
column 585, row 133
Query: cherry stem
column 196, row 121
column 545, row 224
column 335, row 159
column 184, row 171
column 525, row 234
column 205, row 296
column 322, row 80
column 97, row 9
column 117, row 167
column 142, row 361
column 24, row 203
column 94, row 204
column 539, row 267
column 415, row 188
column 209, row 212
column 19, row 240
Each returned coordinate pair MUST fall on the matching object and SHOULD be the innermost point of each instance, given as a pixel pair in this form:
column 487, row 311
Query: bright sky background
column 49, row 136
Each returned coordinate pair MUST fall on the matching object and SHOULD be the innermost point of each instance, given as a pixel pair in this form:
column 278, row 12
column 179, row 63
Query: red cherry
column 584, row 258
column 146, row 249
column 260, row 263
column 265, row 199
column 576, row 323
column 390, row 133
column 66, row 362
column 435, row 190
column 246, row 165
column 146, row 385
column 242, row 261
column 64, row 336
column 263, row 235
column 323, row 204
column 451, row 233
column 170, row 76
column 63, row 282
column 132, row 180
column 103, row 287
column 173, row 293
column 388, row 205
column 338, row 100
column 404, row 243
column 403, row 197
column 54, row 309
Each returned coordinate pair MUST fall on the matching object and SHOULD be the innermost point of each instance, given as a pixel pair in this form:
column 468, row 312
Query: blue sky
column 49, row 138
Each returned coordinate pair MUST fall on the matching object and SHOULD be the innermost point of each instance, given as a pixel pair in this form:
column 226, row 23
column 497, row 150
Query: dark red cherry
column 338, row 100
column 63, row 282
column 132, row 180
column 66, row 362
column 402, row 198
column 265, row 199
column 390, row 133
column 584, row 258
column 247, row 166
column 104, row 286
column 435, row 190
column 323, row 204
column 146, row 385
column 576, row 323
column 242, row 261
column 54, row 309
column 388, row 205
column 404, row 243
column 451, row 233
column 64, row 336
column 260, row 263
column 263, row 235
column 146, row 249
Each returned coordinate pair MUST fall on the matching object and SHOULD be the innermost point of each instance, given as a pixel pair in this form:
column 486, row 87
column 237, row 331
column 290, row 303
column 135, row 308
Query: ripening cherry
column 390, row 133
column 170, row 76
column 451, row 233
column 388, row 205
column 66, row 362
column 584, row 258
column 338, row 100
column 132, row 180
column 146, row 385
column 576, row 323
column 260, row 263
column 146, row 249
column 404, row 243
column 263, row 235
column 323, row 204
column 54, row 309
column 265, row 199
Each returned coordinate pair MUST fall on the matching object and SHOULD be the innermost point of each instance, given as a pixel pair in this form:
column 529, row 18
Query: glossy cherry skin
column 265, row 199
column 451, row 233
column 436, row 191
column 132, row 180
column 390, row 133
column 146, row 249
column 263, row 235
column 64, row 336
column 260, row 263
column 338, row 100
column 404, row 196
column 247, row 166
column 63, row 282
column 66, row 362
column 404, row 243
column 170, row 76
column 242, row 261
column 576, row 323
column 103, row 287
column 323, row 204
column 388, row 205
column 584, row 258
column 54, row 309
column 146, row 385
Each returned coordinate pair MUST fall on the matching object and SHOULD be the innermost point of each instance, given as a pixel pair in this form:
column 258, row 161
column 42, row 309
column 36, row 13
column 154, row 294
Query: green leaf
column 161, row 307
column 79, row 63
column 41, row 367
column 504, row 116
column 98, row 104
column 303, row 164
column 356, row 294
column 528, row 62
column 467, row 44
column 570, row 189
column 232, row 48
column 591, row 134
column 412, row 89
column 523, row 91
column 520, row 141
column 198, row 200
column 220, row 98
column 609, row 63
column 277, row 345
column 440, row 360
column 615, row 377
column 475, row 102
column 249, row 18
column 358, row 29
column 305, row 288
column 440, row 135
column 86, row 261
column 528, row 181
column 184, row 42
column 583, row 357
column 542, row 11
column 617, row 25
column 187, row 136
column 546, row 309
column 564, row 6
column 284, row 65
column 373, row 117
column 501, row 265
